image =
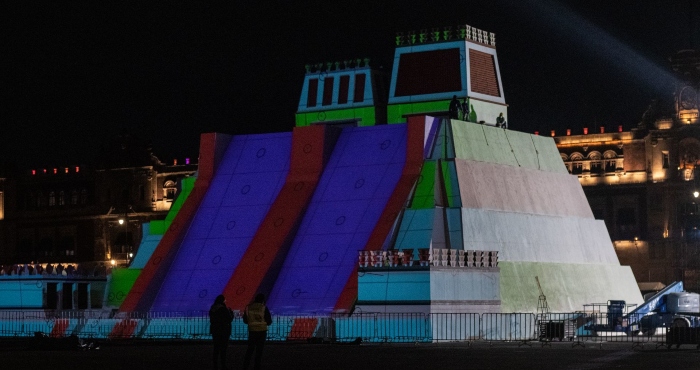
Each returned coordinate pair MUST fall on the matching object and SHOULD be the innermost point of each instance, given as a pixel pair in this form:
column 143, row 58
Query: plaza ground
column 132, row 354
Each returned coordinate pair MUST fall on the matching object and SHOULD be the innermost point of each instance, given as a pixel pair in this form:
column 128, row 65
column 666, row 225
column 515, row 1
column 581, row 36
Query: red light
column 568, row 132
column 619, row 128
column 174, row 162
column 77, row 169
column 44, row 171
column 602, row 129
column 33, row 172
column 537, row 132
column 66, row 169
column 585, row 130
column 552, row 133
column 55, row 171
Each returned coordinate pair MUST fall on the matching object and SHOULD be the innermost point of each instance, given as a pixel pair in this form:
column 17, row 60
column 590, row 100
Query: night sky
column 75, row 75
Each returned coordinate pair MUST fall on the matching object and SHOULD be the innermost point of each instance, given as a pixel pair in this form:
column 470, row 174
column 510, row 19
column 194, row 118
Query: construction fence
column 576, row 328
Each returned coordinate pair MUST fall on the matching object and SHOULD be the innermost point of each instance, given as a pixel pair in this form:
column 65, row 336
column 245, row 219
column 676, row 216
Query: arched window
column 61, row 198
column 610, row 161
column 52, row 198
column 576, row 156
column 169, row 190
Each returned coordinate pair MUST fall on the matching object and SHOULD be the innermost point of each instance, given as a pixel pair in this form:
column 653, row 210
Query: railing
column 577, row 328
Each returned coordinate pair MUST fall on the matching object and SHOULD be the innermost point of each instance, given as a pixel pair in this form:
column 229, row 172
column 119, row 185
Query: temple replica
column 411, row 197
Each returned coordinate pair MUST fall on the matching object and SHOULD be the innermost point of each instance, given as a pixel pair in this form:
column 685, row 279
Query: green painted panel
column 366, row 116
column 567, row 286
column 424, row 195
column 186, row 186
column 500, row 148
column 470, row 142
column 122, row 279
column 548, row 154
column 449, row 173
column 483, row 143
column 396, row 113
column 159, row 227
column 523, row 148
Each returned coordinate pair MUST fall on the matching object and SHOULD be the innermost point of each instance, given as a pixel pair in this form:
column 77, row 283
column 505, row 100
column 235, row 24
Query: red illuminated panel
column 146, row 285
column 482, row 73
column 411, row 172
column 343, row 89
column 271, row 241
column 359, row 95
column 429, row 72
column 327, row 91
column 313, row 90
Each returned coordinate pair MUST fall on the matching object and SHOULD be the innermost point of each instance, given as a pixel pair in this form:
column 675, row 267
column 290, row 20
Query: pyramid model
column 287, row 213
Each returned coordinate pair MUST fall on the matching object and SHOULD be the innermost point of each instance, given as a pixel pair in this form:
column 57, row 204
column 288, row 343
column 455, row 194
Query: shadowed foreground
column 18, row 354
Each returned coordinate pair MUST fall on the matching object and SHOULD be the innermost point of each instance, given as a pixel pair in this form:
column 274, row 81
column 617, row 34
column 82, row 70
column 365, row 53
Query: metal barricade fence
column 455, row 327
column 508, row 327
column 366, row 327
column 383, row 327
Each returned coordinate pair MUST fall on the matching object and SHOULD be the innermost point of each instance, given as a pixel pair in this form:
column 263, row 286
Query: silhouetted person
column 220, row 318
column 258, row 317
column 501, row 121
column 465, row 110
column 454, row 107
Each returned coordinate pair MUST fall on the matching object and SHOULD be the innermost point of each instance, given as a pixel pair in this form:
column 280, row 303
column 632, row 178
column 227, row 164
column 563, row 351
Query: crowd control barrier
column 526, row 328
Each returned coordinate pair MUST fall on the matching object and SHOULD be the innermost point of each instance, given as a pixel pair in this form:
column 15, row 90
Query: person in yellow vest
column 258, row 317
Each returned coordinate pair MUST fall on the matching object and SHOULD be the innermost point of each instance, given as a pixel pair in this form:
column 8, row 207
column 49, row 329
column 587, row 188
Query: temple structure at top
column 430, row 69
column 440, row 210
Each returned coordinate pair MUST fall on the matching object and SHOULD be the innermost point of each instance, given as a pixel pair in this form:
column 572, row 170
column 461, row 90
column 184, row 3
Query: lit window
column 610, row 166
column 577, row 168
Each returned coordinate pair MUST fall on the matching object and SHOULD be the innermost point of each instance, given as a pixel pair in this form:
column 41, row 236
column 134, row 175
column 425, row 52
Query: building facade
column 645, row 182
column 87, row 215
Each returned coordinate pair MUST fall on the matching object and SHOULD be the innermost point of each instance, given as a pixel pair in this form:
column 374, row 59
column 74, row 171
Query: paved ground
column 480, row 355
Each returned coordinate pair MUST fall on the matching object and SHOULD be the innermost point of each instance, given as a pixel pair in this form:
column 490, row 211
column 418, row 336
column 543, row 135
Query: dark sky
column 75, row 75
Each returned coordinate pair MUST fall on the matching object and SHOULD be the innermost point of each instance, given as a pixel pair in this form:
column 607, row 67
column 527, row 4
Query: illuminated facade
column 406, row 197
column 71, row 214
column 643, row 182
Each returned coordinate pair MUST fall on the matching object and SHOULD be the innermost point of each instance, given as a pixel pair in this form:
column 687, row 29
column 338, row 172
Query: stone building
column 87, row 214
column 645, row 182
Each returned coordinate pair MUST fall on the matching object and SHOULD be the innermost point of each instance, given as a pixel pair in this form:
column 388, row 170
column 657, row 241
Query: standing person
column 454, row 107
column 220, row 318
column 258, row 317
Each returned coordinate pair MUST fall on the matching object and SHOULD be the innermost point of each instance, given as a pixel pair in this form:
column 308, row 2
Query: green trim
column 159, row 227
column 396, row 113
column 424, row 196
column 366, row 116
column 120, row 284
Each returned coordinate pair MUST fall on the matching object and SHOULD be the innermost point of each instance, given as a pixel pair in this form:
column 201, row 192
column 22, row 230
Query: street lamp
column 696, row 193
